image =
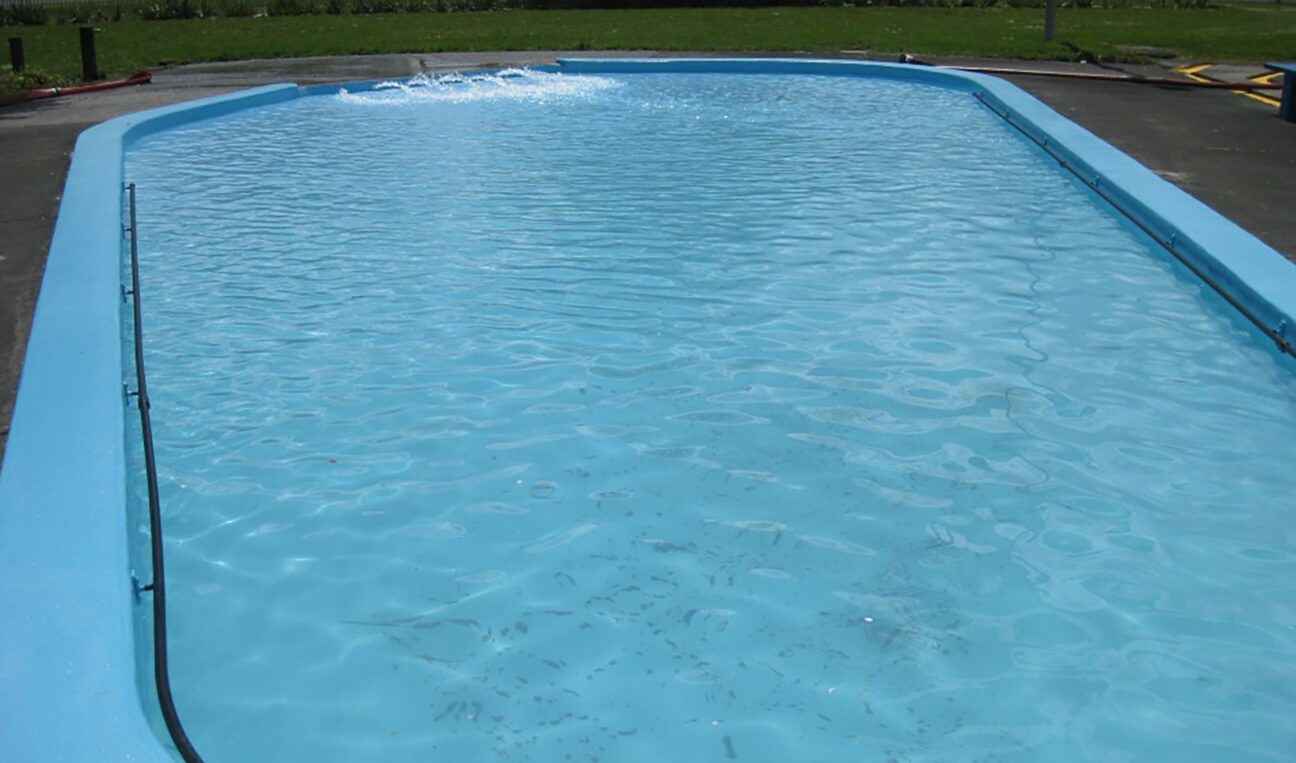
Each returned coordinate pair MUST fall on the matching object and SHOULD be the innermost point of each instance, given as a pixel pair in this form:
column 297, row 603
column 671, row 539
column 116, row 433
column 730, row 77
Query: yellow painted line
column 1191, row 72
column 1275, row 102
column 1192, row 69
column 1266, row 79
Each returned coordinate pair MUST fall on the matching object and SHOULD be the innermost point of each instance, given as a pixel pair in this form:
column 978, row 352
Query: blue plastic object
column 1287, row 110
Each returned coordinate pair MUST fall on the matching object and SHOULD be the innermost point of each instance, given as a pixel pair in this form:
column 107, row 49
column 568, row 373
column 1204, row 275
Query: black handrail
column 161, row 674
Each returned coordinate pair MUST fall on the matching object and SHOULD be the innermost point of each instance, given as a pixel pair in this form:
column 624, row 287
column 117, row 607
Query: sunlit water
column 699, row 418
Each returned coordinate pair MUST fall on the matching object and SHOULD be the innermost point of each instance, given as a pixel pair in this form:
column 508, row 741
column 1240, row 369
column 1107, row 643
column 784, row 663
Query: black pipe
column 16, row 57
column 89, row 59
column 161, row 675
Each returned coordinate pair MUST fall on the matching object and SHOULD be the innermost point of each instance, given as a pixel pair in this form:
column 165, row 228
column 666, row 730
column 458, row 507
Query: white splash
column 510, row 84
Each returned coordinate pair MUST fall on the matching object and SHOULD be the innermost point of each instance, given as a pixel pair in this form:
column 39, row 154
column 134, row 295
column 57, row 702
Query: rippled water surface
column 699, row 417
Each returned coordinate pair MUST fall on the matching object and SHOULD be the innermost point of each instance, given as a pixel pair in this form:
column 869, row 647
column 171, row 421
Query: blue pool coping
column 75, row 683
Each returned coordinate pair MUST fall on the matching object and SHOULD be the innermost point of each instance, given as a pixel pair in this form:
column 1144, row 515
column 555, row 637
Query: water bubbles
column 542, row 490
column 507, row 84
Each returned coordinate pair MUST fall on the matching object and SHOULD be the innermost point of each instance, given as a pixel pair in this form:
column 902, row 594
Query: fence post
column 89, row 60
column 1050, row 19
column 16, row 56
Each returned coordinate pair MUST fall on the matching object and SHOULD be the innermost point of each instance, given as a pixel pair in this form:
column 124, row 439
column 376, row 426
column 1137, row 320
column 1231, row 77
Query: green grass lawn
column 1221, row 34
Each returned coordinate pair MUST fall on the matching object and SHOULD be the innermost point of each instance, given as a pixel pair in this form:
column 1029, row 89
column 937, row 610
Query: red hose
column 138, row 78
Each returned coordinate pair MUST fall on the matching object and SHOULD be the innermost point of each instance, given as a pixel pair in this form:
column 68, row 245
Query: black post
column 89, row 61
column 1050, row 19
column 16, row 56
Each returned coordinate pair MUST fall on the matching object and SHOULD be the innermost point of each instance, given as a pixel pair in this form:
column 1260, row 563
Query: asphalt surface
column 1229, row 151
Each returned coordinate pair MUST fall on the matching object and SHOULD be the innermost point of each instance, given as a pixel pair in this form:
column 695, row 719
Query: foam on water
column 506, row 84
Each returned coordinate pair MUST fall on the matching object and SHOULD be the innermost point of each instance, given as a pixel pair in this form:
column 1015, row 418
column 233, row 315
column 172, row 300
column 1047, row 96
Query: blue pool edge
column 69, row 649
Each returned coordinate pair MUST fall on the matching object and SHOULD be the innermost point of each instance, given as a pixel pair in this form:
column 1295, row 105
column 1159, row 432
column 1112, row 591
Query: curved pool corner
column 71, row 650
column 68, row 648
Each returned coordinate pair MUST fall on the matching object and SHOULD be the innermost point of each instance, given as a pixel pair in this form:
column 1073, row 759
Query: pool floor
column 762, row 418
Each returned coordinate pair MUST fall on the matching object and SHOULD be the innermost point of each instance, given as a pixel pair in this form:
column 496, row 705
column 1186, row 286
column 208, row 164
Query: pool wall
column 73, row 657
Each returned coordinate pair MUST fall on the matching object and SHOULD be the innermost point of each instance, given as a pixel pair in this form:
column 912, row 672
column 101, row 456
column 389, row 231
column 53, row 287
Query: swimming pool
column 816, row 579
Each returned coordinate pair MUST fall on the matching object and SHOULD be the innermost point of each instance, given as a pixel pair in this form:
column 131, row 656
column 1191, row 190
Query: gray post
column 1050, row 20
column 89, row 60
column 16, row 56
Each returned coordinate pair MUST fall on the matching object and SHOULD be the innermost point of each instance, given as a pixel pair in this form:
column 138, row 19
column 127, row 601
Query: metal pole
column 1050, row 20
column 89, row 60
column 16, row 56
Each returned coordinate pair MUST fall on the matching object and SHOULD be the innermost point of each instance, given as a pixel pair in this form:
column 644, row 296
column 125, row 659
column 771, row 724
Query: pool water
column 712, row 417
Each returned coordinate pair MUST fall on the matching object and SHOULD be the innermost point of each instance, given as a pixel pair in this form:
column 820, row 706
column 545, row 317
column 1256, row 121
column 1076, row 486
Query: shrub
column 24, row 14
column 31, row 77
column 286, row 8
column 239, row 8
column 78, row 13
column 162, row 10
column 376, row 6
